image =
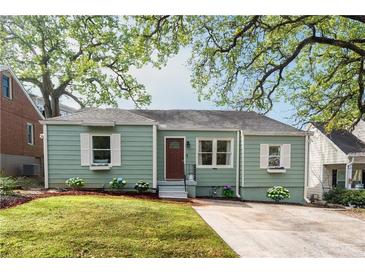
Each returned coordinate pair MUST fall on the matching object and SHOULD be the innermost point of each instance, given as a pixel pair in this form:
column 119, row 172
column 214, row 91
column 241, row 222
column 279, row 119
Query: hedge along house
column 179, row 152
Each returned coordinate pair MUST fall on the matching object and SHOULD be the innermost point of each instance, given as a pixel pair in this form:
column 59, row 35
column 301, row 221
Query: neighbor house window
column 341, row 178
column 6, row 86
column 274, row 156
column 101, row 153
column 214, row 152
column 30, row 134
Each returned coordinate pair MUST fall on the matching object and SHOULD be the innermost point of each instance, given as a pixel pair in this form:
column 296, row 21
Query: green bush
column 228, row 192
column 75, row 182
column 141, row 186
column 27, row 182
column 7, row 186
column 278, row 193
column 346, row 197
column 117, row 183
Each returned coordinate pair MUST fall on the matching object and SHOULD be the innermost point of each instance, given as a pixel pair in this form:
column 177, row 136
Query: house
column 210, row 149
column 21, row 149
column 337, row 159
column 39, row 102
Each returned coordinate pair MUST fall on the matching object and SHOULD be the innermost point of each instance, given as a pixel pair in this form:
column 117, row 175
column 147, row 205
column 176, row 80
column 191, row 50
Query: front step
column 172, row 192
column 173, row 195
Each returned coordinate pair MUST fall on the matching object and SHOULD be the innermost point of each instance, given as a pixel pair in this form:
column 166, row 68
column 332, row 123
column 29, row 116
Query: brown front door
column 174, row 158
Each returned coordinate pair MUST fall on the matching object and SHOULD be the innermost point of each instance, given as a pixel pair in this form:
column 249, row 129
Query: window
column 205, row 153
column 341, row 178
column 6, row 86
column 101, row 152
column 357, row 176
column 274, row 156
column 223, row 152
column 214, row 152
column 30, row 134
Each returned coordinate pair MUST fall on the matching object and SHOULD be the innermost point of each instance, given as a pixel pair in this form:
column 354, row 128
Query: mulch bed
column 23, row 197
column 10, row 201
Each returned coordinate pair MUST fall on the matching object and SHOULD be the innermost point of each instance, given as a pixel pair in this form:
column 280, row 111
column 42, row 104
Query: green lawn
column 99, row 226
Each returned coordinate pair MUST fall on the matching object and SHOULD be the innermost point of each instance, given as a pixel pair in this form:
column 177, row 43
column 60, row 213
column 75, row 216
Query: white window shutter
column 264, row 156
column 85, row 149
column 115, row 150
column 285, row 155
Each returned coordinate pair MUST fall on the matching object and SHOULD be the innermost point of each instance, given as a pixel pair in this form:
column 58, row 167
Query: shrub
column 75, row 182
column 278, row 193
column 27, row 182
column 346, row 197
column 228, row 192
column 7, row 185
column 117, row 183
column 141, row 186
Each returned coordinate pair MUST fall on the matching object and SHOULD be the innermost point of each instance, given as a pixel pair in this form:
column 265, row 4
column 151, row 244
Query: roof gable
column 343, row 139
column 9, row 70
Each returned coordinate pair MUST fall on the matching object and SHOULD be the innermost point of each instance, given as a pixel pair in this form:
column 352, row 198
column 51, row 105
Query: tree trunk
column 46, row 104
column 55, row 105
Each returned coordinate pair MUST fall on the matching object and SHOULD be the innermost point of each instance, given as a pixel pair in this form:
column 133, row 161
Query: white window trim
column 92, row 164
column 214, row 152
column 164, row 152
column 10, row 86
column 32, row 127
column 280, row 156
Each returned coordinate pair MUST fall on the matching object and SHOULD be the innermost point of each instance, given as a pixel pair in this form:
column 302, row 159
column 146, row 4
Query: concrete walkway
column 269, row 230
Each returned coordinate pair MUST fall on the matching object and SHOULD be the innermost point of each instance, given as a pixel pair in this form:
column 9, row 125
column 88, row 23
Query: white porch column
column 348, row 174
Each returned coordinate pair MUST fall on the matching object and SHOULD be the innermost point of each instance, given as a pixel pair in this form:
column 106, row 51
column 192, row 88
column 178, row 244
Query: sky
column 171, row 89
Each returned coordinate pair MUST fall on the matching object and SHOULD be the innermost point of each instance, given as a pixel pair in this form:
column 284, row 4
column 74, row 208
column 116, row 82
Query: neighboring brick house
column 21, row 147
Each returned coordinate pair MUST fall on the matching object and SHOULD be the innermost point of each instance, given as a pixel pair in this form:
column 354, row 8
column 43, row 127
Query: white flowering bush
column 278, row 193
column 142, row 186
column 76, row 182
column 117, row 183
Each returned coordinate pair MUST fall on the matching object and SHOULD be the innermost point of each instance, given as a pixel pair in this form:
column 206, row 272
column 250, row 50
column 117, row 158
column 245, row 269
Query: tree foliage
column 84, row 57
column 248, row 62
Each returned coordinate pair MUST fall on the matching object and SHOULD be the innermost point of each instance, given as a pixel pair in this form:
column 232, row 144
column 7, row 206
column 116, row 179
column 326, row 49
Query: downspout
column 45, row 155
column 154, row 156
column 306, row 148
column 243, row 158
column 238, row 165
column 347, row 175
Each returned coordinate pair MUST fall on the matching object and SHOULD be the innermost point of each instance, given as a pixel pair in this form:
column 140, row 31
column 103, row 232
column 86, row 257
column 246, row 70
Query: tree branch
column 77, row 100
column 359, row 18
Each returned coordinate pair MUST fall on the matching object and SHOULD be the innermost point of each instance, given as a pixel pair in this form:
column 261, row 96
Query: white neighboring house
column 336, row 159
column 64, row 109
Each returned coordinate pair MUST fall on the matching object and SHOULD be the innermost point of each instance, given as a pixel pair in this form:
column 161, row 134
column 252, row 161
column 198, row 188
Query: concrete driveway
column 268, row 230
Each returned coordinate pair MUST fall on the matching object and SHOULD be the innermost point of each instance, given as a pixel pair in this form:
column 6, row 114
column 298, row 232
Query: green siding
column 206, row 177
column 257, row 180
column 64, row 155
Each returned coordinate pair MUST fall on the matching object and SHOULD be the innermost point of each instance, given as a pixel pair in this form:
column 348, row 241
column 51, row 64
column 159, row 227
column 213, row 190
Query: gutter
column 306, row 148
column 238, row 165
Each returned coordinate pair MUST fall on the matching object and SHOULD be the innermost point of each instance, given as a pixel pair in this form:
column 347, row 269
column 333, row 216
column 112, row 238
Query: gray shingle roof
column 248, row 121
column 98, row 115
column 344, row 139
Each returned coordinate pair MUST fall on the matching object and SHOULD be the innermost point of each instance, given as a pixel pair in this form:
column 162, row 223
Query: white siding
column 359, row 130
column 322, row 152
